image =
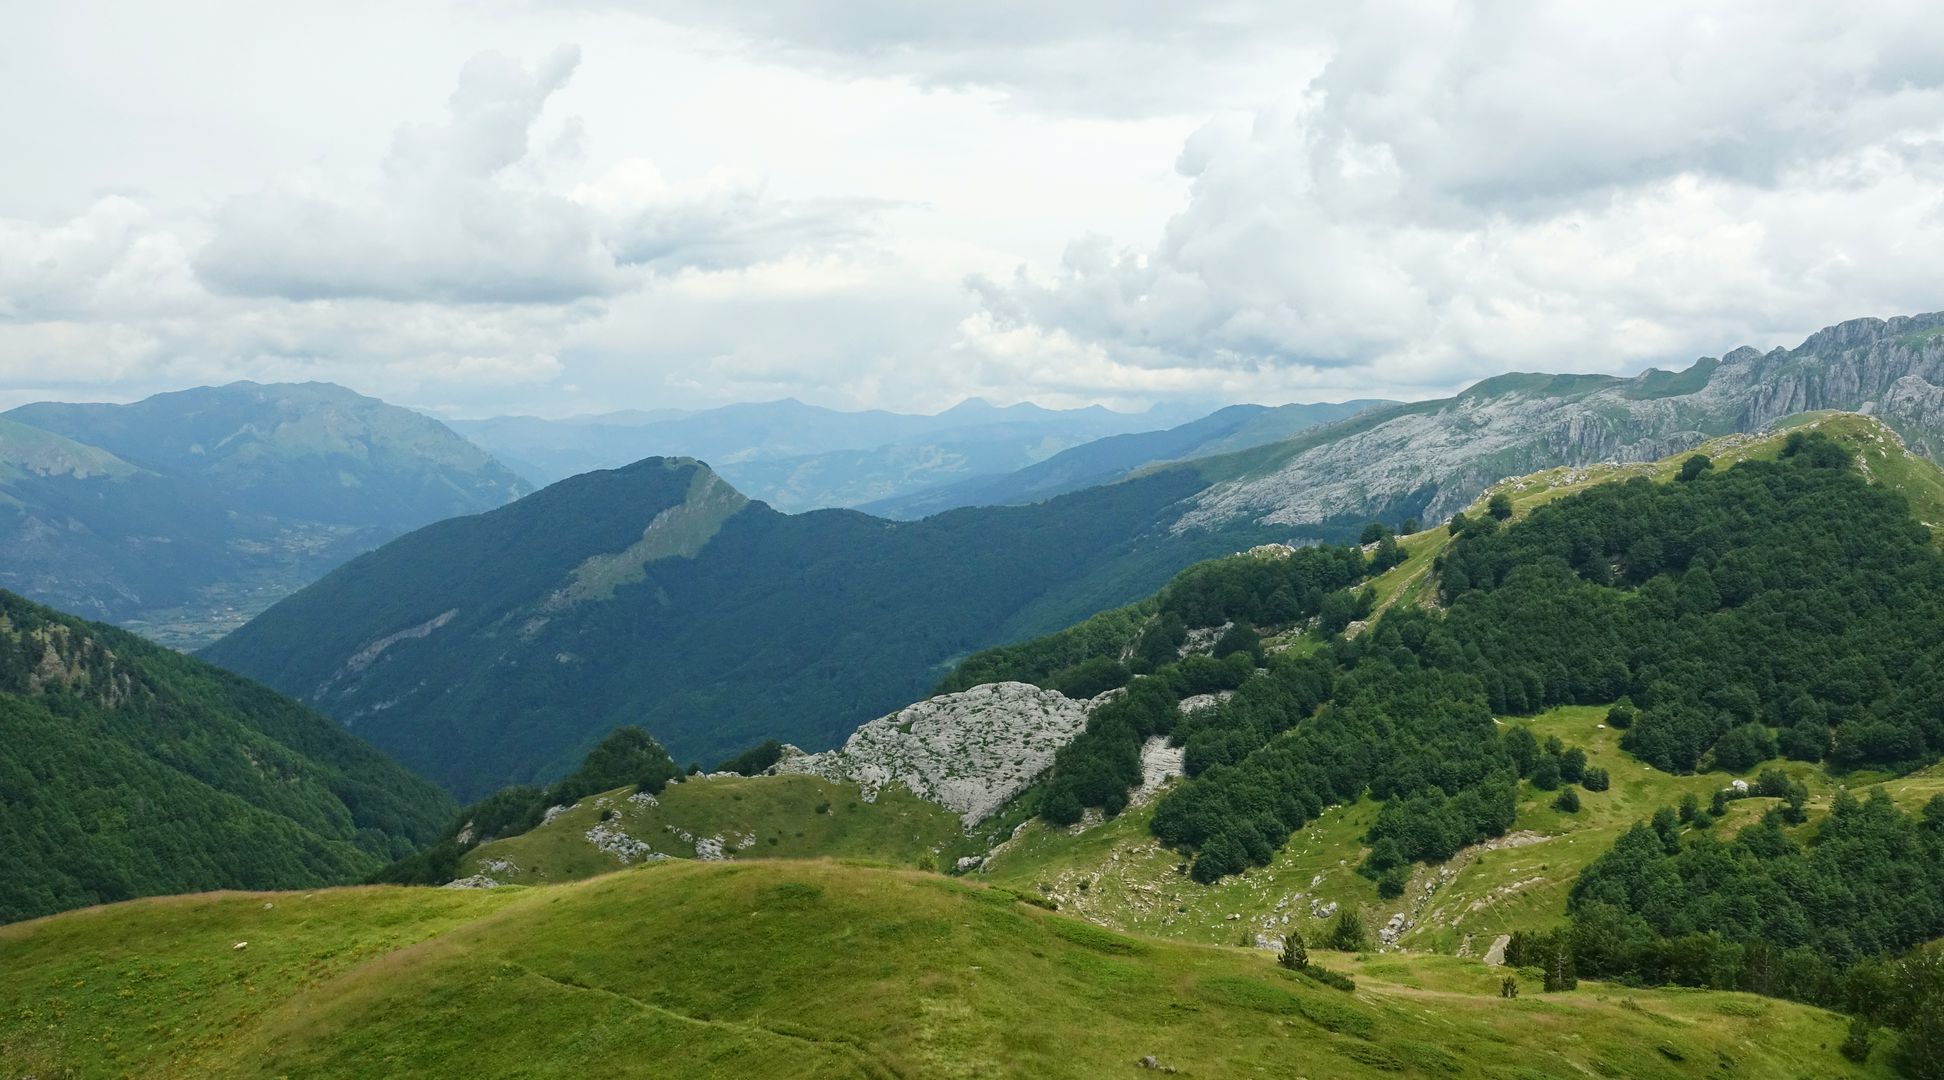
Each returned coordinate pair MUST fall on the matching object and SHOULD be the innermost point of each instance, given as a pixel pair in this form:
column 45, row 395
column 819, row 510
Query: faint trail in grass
column 859, row 1054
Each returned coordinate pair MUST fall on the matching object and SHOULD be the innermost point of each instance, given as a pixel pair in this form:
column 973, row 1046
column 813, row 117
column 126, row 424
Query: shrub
column 1595, row 779
column 1567, row 801
column 1856, row 1044
column 1336, row 980
column 1509, row 986
column 1545, row 773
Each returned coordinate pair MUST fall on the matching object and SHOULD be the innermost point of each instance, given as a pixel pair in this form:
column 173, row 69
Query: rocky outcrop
column 1159, row 764
column 969, row 752
column 1432, row 459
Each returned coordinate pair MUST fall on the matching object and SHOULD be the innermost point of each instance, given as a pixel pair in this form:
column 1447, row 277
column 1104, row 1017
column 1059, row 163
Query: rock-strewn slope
column 969, row 752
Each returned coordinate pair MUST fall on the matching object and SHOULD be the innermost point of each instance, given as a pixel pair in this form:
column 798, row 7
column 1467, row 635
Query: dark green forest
column 1829, row 914
column 1738, row 614
column 793, row 627
column 128, row 770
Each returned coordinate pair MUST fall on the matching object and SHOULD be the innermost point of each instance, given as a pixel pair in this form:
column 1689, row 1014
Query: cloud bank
column 899, row 205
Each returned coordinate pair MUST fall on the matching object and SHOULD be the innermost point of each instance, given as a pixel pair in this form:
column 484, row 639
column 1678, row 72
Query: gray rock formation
column 969, row 752
column 1431, row 459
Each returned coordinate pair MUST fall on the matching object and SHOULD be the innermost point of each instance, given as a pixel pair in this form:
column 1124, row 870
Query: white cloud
column 462, row 215
column 1115, row 58
column 1483, row 188
column 1239, row 200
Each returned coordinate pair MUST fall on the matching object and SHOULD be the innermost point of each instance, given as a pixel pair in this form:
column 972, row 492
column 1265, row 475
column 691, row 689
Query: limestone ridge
column 680, row 531
column 1431, row 459
column 970, row 752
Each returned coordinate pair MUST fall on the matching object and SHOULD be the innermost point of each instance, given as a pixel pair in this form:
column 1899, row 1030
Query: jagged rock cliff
column 1431, row 459
column 969, row 752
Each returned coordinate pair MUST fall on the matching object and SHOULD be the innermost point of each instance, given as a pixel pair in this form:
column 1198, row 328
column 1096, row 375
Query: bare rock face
column 969, row 752
column 1432, row 459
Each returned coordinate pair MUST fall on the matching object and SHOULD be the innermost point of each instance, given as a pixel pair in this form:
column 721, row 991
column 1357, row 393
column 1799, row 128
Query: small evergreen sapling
column 1295, row 955
column 1559, row 973
column 1349, row 935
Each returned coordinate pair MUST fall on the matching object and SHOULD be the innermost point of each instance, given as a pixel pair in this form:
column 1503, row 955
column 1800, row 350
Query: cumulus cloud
column 464, row 270
column 1237, row 200
column 1477, row 187
column 460, row 217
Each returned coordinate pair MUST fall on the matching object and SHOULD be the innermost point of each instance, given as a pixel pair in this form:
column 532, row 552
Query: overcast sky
column 493, row 206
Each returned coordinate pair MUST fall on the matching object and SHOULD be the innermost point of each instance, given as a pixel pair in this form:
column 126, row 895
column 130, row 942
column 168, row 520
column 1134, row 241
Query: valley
column 927, row 856
column 972, row 541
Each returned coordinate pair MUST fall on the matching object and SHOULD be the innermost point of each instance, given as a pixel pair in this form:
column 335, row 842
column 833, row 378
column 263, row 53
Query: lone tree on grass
column 1509, row 986
column 1559, row 973
column 1349, row 935
column 1295, row 955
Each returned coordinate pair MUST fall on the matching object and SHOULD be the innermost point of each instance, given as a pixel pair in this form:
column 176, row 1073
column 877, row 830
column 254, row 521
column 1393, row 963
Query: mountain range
column 496, row 649
column 1236, row 427
column 186, row 513
column 1661, row 714
column 803, row 457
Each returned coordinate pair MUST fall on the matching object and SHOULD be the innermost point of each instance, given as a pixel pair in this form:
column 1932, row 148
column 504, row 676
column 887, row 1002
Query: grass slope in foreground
column 799, row 970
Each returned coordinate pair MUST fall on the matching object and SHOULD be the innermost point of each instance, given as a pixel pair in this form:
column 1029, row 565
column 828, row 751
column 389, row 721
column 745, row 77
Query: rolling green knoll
column 789, row 817
column 792, row 969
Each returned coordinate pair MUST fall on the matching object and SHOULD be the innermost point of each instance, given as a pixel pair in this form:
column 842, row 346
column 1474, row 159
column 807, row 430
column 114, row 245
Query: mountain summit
column 185, row 513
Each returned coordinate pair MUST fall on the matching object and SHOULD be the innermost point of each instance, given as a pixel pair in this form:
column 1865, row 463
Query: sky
column 494, row 206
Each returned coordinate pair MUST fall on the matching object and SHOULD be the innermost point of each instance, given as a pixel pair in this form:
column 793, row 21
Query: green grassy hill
column 765, row 817
column 792, row 969
column 1132, row 882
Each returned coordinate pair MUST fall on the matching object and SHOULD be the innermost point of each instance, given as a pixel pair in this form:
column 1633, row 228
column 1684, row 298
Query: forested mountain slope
column 497, row 648
column 184, row 514
column 516, row 656
column 129, row 770
column 1742, row 621
column 1744, row 612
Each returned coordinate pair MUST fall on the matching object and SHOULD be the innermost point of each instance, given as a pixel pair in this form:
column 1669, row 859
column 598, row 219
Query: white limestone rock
column 969, row 752
column 1159, row 763
column 607, row 836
